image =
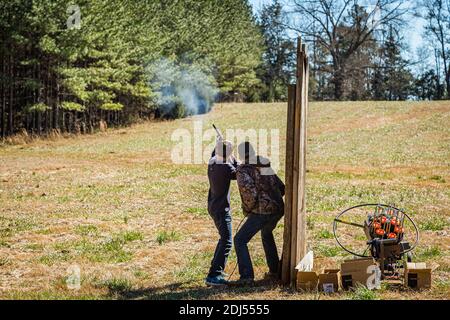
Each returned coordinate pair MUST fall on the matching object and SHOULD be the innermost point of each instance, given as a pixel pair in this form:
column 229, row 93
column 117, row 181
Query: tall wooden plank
column 294, row 247
column 286, row 257
column 297, row 161
column 301, row 213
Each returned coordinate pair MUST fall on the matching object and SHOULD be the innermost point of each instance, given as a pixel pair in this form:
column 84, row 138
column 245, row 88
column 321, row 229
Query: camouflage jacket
column 261, row 189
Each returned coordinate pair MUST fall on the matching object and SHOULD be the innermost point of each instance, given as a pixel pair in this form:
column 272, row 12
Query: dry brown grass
column 74, row 200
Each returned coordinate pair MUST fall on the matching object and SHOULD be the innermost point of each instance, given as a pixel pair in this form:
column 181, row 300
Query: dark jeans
column 223, row 249
column 257, row 222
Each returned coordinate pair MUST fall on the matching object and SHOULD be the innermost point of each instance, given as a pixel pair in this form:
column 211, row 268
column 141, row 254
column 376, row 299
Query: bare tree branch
column 438, row 27
column 343, row 26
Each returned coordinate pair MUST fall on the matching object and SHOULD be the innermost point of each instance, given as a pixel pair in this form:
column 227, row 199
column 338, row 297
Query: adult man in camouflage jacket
column 262, row 194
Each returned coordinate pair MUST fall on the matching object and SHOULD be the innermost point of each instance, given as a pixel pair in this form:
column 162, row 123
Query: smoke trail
column 178, row 85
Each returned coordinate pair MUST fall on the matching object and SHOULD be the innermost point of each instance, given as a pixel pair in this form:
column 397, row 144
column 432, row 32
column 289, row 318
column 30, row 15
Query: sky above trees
column 413, row 37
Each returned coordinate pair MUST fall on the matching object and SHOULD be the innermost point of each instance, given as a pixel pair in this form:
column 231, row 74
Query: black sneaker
column 217, row 281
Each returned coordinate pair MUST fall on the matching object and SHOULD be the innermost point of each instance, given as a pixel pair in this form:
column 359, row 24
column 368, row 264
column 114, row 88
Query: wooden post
column 294, row 247
column 286, row 258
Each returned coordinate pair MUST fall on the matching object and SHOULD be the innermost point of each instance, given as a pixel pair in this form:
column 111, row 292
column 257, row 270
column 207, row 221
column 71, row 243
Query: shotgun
column 218, row 132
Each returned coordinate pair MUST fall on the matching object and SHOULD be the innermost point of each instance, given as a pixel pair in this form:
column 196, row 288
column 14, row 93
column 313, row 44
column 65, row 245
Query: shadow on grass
column 185, row 290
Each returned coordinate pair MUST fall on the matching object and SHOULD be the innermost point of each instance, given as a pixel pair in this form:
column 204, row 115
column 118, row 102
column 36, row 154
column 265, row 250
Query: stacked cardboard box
column 356, row 271
column 330, row 280
column 359, row 271
column 307, row 280
column 417, row 275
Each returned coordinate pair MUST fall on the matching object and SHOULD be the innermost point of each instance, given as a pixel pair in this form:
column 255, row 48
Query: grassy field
column 136, row 225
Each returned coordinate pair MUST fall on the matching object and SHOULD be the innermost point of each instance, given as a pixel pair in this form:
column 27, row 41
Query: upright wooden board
column 294, row 247
column 297, row 163
column 285, row 272
column 301, row 210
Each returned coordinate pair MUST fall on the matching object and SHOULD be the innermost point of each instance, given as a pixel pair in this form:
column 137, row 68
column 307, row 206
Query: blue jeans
column 255, row 223
column 223, row 249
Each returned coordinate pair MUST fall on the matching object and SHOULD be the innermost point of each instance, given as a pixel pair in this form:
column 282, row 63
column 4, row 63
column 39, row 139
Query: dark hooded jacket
column 220, row 176
column 261, row 189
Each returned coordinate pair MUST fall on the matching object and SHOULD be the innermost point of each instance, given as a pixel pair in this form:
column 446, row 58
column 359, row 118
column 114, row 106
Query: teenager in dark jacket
column 221, row 170
column 262, row 194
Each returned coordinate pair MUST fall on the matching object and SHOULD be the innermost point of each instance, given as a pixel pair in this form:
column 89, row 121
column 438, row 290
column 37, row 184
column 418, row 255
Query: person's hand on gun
column 220, row 140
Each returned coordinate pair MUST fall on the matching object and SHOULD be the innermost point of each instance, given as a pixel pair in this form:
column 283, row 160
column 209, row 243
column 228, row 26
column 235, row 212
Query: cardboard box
column 307, row 280
column 330, row 280
column 355, row 271
column 417, row 275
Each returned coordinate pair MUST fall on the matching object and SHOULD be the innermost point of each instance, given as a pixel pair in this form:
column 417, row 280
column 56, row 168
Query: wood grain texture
column 286, row 258
column 294, row 247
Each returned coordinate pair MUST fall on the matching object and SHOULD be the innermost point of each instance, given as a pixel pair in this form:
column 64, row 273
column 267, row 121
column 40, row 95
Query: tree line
column 77, row 68
column 357, row 48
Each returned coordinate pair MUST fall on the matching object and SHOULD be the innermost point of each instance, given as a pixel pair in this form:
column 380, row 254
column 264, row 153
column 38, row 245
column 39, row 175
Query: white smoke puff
column 164, row 74
column 188, row 85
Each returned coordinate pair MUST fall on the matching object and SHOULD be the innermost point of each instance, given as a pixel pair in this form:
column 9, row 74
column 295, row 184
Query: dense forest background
column 79, row 66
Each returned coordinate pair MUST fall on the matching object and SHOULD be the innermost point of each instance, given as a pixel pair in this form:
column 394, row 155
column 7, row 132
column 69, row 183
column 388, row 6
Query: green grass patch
column 117, row 285
column 4, row 243
column 9, row 227
column 63, row 199
column 442, row 285
column 196, row 268
column 324, row 234
column 141, row 274
column 259, row 261
column 55, row 257
column 129, row 236
column 360, row 237
column 87, row 230
column 4, row 261
column 437, row 179
column 198, row 211
column 328, row 251
column 111, row 250
column 433, row 224
column 34, row 247
column 428, row 253
column 164, row 236
column 363, row 293
column 45, row 231
column 310, row 223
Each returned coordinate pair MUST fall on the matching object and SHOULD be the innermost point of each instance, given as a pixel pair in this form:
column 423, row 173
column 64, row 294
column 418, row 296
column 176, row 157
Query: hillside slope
column 135, row 224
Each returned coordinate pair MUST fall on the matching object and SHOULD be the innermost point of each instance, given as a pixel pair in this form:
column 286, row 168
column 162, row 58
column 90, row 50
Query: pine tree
column 393, row 80
column 279, row 55
column 55, row 78
column 427, row 86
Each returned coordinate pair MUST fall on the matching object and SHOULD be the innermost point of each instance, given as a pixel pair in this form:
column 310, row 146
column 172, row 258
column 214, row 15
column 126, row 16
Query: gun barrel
column 218, row 132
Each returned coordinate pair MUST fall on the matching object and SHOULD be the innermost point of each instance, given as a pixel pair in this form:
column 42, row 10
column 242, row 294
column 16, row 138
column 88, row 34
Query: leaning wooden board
column 294, row 247
column 286, row 257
